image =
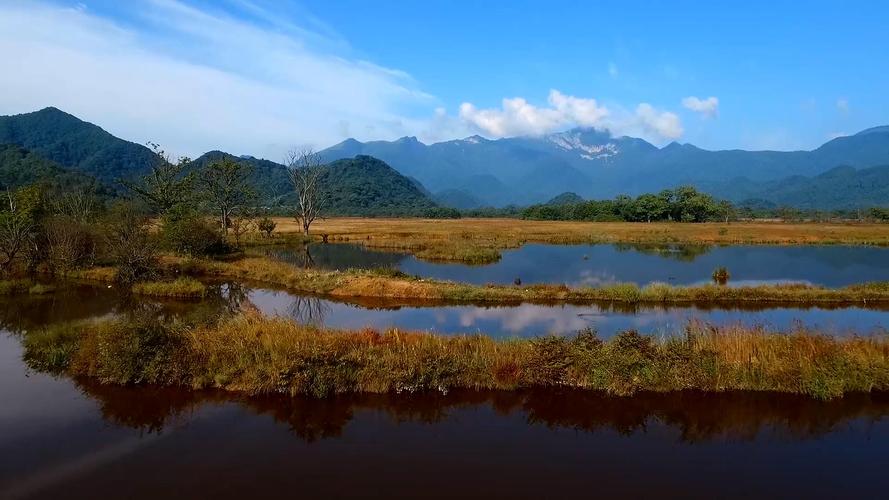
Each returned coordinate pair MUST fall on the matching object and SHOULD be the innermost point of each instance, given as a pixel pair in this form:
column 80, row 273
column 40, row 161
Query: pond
column 525, row 320
column 63, row 438
column 592, row 265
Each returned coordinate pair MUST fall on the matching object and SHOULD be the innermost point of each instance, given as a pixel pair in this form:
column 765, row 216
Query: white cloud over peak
column 708, row 107
column 195, row 80
column 519, row 117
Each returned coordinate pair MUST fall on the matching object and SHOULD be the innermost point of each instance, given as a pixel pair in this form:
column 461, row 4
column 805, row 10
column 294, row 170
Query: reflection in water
column 698, row 417
column 524, row 320
column 595, row 265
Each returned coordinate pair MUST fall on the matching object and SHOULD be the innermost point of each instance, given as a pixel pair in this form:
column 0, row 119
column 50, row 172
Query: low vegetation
column 479, row 241
column 179, row 288
column 385, row 284
column 258, row 355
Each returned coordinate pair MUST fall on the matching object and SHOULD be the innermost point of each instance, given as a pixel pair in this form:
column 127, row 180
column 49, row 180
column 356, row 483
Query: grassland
column 481, row 240
column 259, row 355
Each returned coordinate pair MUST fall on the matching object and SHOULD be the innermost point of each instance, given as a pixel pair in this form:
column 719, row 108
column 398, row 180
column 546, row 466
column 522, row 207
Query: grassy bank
column 178, row 288
column 481, row 240
column 258, row 355
column 396, row 285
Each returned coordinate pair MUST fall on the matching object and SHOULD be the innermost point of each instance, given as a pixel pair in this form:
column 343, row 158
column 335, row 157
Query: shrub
column 69, row 243
column 193, row 236
column 266, row 226
column 129, row 244
column 721, row 275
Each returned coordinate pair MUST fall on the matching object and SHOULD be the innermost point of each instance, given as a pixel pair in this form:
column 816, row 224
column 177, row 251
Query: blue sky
column 257, row 77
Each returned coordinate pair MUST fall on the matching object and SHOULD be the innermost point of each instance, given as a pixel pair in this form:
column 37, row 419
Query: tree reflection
column 699, row 417
column 309, row 310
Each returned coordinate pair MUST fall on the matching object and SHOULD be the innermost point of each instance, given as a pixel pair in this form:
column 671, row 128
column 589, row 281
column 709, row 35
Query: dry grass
column 369, row 284
column 179, row 288
column 258, row 355
column 480, row 240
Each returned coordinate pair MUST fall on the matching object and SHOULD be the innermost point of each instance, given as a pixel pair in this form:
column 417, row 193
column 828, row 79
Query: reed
column 259, row 355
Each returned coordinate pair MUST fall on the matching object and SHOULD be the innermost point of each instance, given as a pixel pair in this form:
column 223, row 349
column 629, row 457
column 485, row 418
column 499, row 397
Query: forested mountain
column 20, row 167
column 839, row 188
column 476, row 172
column 75, row 144
column 355, row 186
column 594, row 164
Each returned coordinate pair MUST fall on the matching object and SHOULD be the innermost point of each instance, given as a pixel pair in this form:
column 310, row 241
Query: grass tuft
column 180, row 288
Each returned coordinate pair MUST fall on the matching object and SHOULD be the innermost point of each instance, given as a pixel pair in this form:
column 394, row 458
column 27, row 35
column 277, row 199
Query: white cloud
column 843, row 105
column 519, row 117
column 194, row 81
column 661, row 123
column 708, row 107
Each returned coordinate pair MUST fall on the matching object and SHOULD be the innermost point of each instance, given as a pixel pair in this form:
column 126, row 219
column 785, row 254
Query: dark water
column 526, row 320
column 602, row 264
column 61, row 438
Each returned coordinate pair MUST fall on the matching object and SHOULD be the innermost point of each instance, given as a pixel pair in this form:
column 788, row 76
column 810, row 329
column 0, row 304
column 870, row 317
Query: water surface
column 525, row 320
column 593, row 265
column 61, row 438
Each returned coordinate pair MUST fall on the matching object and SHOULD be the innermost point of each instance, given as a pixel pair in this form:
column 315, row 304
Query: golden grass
column 179, row 288
column 259, row 355
column 369, row 284
column 481, row 240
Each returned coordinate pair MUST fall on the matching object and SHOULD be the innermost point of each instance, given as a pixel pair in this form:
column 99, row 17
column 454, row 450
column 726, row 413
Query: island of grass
column 254, row 354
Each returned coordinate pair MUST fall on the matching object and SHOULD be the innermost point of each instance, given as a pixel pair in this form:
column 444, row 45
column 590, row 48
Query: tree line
column 683, row 204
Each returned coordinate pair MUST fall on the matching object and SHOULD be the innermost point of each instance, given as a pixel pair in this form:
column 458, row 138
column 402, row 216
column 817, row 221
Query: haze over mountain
column 594, row 164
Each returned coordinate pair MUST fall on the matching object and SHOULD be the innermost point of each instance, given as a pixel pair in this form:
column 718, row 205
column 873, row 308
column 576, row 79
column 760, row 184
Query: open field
column 259, row 355
column 480, row 240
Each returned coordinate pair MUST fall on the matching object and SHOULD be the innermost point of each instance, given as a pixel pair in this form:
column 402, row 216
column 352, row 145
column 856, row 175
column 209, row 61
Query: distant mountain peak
column 882, row 129
column 475, row 139
column 589, row 143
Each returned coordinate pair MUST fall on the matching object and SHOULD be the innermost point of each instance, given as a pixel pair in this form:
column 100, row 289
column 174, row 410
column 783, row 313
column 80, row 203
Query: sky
column 260, row 77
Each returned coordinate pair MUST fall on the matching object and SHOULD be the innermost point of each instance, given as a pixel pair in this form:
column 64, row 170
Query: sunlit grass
column 260, row 355
column 180, row 288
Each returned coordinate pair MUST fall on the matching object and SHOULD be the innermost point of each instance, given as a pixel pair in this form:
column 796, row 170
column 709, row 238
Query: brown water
column 61, row 438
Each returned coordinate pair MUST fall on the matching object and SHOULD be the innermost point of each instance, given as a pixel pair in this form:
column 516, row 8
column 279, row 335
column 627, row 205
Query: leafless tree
column 306, row 172
column 69, row 243
column 17, row 228
column 78, row 204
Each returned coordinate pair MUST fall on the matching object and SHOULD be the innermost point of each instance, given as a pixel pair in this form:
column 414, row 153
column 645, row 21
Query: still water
column 63, row 438
column 592, row 265
column 525, row 320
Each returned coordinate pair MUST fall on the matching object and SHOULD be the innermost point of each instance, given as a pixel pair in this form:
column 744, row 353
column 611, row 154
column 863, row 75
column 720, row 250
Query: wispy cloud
column 196, row 80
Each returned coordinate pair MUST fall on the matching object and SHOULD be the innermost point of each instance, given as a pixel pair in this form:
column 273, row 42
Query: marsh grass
column 180, row 288
column 258, row 355
column 479, row 241
column 394, row 284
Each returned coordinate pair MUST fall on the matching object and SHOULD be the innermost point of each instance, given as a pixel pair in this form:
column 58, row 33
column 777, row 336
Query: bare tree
column 226, row 188
column 306, row 172
column 17, row 225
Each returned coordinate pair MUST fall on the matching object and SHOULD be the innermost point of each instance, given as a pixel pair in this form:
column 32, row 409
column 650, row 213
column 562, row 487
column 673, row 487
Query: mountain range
column 594, row 164
column 406, row 176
